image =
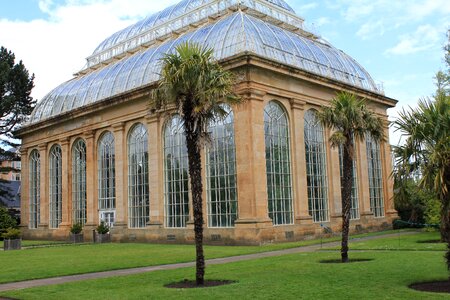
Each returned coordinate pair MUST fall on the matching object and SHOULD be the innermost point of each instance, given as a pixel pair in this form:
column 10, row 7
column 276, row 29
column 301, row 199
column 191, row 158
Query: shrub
column 76, row 228
column 11, row 234
column 103, row 228
column 6, row 221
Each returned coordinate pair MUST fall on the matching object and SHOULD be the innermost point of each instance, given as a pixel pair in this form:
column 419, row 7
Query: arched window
column 138, row 189
column 79, row 182
column 106, row 178
column 176, row 193
column 316, row 167
column 375, row 178
column 35, row 189
column 354, row 210
column 221, row 173
column 278, row 164
column 55, row 186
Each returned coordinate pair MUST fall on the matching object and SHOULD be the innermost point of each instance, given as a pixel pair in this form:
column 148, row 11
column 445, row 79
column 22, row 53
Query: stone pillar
column 363, row 180
column 156, row 173
column 300, row 191
column 24, row 189
column 121, row 171
column 44, row 205
column 388, row 180
column 66, row 216
column 333, row 178
column 251, row 161
column 91, row 183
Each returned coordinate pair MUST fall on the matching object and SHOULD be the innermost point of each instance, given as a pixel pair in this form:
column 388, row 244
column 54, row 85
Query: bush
column 11, row 234
column 433, row 211
column 6, row 221
column 76, row 228
column 103, row 228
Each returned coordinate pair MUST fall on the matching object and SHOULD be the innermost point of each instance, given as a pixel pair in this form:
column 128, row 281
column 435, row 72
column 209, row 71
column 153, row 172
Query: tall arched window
column 106, row 178
column 35, row 189
column 375, row 177
column 55, row 186
column 221, row 173
column 316, row 167
column 278, row 164
column 176, row 193
column 138, row 189
column 354, row 210
column 79, row 182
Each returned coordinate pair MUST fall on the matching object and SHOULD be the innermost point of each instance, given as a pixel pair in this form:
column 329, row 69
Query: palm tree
column 195, row 85
column 351, row 121
column 426, row 151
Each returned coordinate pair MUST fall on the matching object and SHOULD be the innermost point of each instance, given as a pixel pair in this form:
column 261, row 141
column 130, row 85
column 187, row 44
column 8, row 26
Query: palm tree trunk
column 346, row 194
column 195, row 172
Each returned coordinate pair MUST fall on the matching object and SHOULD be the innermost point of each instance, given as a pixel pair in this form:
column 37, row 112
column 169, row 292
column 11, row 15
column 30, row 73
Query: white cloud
column 371, row 29
column 56, row 47
column 424, row 38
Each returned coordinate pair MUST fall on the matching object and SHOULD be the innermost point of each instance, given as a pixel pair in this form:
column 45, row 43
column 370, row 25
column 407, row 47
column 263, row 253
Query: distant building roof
column 12, row 196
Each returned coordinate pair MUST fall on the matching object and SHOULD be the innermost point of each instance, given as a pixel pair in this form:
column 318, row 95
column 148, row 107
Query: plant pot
column 15, row 244
column 103, row 238
column 76, row 238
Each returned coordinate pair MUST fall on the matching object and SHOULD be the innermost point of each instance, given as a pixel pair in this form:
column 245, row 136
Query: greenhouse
column 94, row 150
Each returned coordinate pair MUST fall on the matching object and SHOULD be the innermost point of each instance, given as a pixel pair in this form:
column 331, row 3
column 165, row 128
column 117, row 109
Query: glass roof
column 233, row 34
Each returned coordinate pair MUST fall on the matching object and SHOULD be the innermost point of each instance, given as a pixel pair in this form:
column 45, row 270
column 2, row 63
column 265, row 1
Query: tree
column 15, row 101
column 194, row 84
column 6, row 221
column 352, row 121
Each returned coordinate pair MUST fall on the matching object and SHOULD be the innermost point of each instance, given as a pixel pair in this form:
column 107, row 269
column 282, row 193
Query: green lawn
column 424, row 241
column 60, row 260
column 36, row 243
column 298, row 276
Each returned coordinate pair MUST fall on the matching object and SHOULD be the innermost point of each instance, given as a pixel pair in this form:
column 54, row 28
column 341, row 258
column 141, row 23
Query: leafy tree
column 427, row 147
column 15, row 101
column 194, row 84
column 352, row 121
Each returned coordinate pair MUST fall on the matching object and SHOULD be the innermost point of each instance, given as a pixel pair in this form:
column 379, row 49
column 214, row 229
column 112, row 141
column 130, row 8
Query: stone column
column 156, row 175
column 121, row 180
column 44, row 205
column 65, row 195
column 333, row 178
column 251, row 162
column 24, row 189
column 91, row 184
column 388, row 180
column 299, row 163
column 363, row 181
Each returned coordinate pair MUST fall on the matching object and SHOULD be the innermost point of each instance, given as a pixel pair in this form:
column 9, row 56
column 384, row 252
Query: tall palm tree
column 351, row 121
column 195, row 84
column 427, row 151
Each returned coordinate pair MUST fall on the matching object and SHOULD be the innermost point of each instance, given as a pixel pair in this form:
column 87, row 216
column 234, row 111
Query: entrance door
column 108, row 217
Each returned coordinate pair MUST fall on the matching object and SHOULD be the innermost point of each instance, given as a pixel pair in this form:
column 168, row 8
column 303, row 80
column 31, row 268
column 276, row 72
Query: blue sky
column 399, row 42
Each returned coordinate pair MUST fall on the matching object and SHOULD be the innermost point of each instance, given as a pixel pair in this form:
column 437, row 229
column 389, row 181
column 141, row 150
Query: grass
column 78, row 259
column 297, row 276
column 423, row 241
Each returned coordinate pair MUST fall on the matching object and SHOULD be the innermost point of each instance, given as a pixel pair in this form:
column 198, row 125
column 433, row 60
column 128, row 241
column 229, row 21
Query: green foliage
column 103, row 228
column 11, row 234
column 15, row 90
column 432, row 211
column 76, row 228
column 6, row 221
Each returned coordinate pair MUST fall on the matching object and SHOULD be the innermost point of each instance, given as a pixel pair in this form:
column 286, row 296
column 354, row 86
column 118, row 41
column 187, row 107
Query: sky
column 398, row 42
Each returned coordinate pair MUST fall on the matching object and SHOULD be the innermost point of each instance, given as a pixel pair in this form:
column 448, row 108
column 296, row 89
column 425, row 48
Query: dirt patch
column 191, row 284
column 338, row 261
column 435, row 286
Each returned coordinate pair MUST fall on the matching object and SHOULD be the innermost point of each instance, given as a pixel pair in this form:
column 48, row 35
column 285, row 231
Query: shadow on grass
column 434, row 286
column 338, row 261
column 429, row 242
column 192, row 284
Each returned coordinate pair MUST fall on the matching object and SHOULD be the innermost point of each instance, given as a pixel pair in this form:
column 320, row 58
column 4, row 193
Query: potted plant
column 76, row 235
column 12, row 240
column 103, row 235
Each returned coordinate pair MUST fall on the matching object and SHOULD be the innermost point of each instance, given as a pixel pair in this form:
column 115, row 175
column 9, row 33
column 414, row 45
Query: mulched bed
column 435, row 286
column 338, row 261
column 191, row 284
